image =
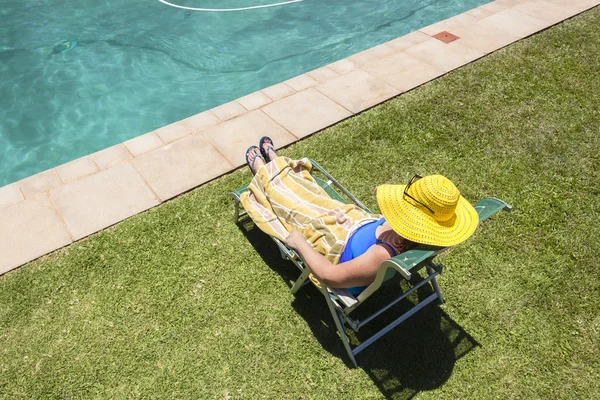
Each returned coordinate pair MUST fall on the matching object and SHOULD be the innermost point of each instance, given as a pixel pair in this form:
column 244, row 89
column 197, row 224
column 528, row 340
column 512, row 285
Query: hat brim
column 416, row 225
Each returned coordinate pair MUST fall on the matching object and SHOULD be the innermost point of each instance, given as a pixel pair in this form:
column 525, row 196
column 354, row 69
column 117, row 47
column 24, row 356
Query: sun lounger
column 340, row 302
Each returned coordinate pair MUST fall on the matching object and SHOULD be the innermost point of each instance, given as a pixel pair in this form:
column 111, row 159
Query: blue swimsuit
column 360, row 241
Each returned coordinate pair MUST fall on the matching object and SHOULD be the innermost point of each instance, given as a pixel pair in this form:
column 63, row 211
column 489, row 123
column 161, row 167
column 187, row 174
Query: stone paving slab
column 111, row 156
column 484, row 39
column 404, row 71
column 102, row 200
column 181, row 166
column 76, row 169
column 30, row 229
column 404, row 42
column 357, row 90
column 39, row 183
column 185, row 164
column 173, row 131
column 254, row 100
column 9, row 195
column 301, row 82
column 382, row 51
column 373, row 54
column 493, row 7
column 478, row 13
column 343, row 66
column 306, row 112
column 445, row 56
column 546, row 10
column 201, row 121
column 449, row 24
column 578, row 5
column 508, row 3
column 143, row 144
column 229, row 110
column 322, row 74
column 278, row 92
column 515, row 22
column 48, row 210
column 232, row 138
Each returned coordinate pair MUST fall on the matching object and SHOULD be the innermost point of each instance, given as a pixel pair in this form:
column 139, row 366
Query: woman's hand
column 294, row 239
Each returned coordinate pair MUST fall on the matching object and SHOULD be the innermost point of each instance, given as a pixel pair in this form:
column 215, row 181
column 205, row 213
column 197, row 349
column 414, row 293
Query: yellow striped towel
column 283, row 196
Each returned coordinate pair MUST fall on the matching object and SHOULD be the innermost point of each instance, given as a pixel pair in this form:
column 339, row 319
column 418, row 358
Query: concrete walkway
column 54, row 208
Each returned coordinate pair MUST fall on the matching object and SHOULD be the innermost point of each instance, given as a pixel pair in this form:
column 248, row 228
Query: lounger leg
column 282, row 254
column 339, row 323
column 236, row 213
column 395, row 323
column 300, row 281
column 434, row 283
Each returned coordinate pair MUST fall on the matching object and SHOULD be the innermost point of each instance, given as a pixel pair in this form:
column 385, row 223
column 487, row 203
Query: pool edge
column 61, row 205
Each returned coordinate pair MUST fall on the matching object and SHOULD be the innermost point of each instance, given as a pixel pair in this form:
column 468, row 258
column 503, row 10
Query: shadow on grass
column 416, row 356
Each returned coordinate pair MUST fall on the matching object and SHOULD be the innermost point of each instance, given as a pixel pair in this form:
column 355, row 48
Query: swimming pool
column 78, row 77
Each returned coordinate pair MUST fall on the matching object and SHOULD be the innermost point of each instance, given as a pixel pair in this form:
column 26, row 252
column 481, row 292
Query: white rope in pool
column 229, row 9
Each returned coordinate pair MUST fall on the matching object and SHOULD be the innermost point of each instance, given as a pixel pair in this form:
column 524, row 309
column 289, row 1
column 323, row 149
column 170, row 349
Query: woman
column 342, row 244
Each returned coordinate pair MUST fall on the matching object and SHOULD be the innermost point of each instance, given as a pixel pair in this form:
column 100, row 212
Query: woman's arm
column 360, row 271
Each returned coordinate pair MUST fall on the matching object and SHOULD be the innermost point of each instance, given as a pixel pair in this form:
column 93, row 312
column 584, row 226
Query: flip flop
column 251, row 164
column 263, row 140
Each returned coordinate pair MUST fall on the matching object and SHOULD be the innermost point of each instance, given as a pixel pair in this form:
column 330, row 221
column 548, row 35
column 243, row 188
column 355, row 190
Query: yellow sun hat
column 428, row 210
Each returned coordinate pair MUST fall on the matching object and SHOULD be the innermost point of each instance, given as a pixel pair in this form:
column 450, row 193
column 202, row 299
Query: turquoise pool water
column 80, row 76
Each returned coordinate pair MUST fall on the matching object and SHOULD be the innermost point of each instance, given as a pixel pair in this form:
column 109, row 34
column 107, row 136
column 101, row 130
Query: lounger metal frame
column 339, row 301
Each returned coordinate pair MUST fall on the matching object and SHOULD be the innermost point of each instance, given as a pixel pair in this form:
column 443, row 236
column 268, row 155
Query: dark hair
column 395, row 241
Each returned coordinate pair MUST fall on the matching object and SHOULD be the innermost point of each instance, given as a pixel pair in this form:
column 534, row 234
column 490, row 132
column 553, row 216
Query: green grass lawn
column 179, row 302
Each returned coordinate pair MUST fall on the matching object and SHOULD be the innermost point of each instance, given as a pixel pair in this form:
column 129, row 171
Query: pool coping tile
column 406, row 41
column 484, row 38
column 448, row 25
column 516, row 22
column 323, row 74
column 180, row 166
column 143, row 144
column 278, row 91
column 306, row 112
column 404, row 71
column 579, row 5
column 45, row 212
column 479, row 13
column 444, row 56
column 233, row 137
column 343, row 66
column 201, row 121
column 30, row 229
column 492, row 7
column 358, row 90
column 509, row 3
column 101, row 200
column 173, row 131
column 301, row 82
column 254, row 100
column 111, row 156
column 39, row 183
column 364, row 57
column 76, row 169
column 545, row 10
column 228, row 110
column 9, row 195
column 373, row 54
column 383, row 50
